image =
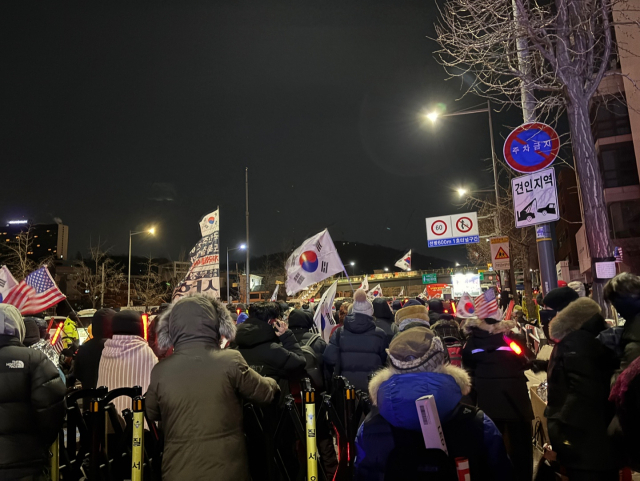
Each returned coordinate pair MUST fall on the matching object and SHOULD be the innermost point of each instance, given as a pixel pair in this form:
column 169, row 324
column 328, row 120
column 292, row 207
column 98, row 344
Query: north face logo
column 15, row 364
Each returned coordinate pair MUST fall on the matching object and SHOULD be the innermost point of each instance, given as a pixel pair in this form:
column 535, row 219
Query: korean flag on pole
column 7, row 282
column 323, row 318
column 405, row 262
column 315, row 260
column 365, row 285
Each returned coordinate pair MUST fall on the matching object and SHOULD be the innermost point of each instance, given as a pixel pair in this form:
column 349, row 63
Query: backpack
column 410, row 459
column 454, row 350
column 313, row 365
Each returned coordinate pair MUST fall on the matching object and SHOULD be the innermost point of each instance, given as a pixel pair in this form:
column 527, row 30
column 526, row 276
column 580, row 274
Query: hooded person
column 301, row 325
column 357, row 348
column 578, row 411
column 198, row 393
column 31, row 402
column 87, row 362
column 496, row 364
column 390, row 445
column 383, row 317
column 126, row 359
column 413, row 314
column 436, row 309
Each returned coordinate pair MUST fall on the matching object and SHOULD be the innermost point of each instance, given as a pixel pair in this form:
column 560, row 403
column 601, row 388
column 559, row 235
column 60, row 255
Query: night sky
column 118, row 116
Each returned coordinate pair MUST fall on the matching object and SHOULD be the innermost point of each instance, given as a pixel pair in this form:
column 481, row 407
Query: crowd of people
column 205, row 360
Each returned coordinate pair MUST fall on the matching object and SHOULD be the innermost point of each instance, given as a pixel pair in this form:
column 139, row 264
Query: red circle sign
column 531, row 147
column 468, row 225
column 437, row 223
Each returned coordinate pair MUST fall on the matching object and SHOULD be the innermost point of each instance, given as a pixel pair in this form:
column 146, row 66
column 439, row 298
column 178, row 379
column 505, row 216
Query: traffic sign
column 431, row 278
column 450, row 230
column 535, row 198
column 500, row 253
column 531, row 147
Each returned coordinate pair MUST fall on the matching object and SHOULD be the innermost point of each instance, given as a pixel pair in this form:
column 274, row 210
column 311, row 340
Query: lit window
column 8, row 240
column 48, row 249
column 35, row 236
column 48, row 231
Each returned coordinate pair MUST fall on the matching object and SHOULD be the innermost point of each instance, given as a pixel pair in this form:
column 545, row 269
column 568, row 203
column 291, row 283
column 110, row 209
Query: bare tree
column 15, row 254
column 101, row 275
column 555, row 53
column 150, row 289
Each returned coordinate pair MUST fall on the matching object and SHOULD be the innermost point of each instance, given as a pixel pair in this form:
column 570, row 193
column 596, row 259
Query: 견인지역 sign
column 535, row 198
column 500, row 253
column 448, row 230
column 531, row 147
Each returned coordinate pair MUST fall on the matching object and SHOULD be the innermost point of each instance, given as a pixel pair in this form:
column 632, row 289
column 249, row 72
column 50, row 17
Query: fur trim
column 572, row 317
column 412, row 312
column 462, row 378
column 162, row 328
column 226, row 326
column 498, row 327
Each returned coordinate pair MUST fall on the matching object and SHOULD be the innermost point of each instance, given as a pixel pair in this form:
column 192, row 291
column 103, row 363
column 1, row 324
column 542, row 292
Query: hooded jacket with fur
column 198, row 393
column 31, row 401
column 497, row 371
column 393, row 395
column 578, row 412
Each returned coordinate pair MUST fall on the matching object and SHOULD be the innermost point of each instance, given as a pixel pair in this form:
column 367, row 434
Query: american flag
column 36, row 293
column 487, row 305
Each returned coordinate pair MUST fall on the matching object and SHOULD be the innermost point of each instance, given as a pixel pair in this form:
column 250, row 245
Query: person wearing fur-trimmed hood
column 497, row 371
column 391, row 433
column 578, row 411
column 198, row 393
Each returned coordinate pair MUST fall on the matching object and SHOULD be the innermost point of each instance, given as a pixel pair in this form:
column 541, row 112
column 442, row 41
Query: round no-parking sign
column 531, row 147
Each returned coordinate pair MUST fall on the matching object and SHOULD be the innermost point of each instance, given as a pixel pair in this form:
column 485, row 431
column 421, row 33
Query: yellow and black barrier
column 310, row 430
column 137, row 443
column 54, row 468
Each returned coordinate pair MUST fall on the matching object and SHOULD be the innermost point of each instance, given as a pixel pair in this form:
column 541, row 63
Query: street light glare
column 461, row 191
column 352, row 263
column 152, row 231
column 433, row 116
column 242, row 246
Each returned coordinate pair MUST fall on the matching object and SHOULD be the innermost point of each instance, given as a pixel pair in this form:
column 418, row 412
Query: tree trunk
column 596, row 220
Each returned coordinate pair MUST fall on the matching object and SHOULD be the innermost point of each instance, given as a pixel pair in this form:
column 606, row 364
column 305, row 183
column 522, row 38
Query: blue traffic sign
column 531, row 147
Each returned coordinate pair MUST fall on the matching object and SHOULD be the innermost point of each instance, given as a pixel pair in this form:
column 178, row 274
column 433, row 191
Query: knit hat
column 578, row 287
column 412, row 302
column 412, row 313
column 362, row 305
column 11, row 323
column 32, row 333
column 559, row 298
column 418, row 350
column 435, row 305
column 101, row 323
column 396, row 305
column 127, row 323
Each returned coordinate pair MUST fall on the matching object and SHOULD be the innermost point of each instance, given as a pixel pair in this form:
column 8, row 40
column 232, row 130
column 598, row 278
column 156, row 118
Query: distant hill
column 367, row 258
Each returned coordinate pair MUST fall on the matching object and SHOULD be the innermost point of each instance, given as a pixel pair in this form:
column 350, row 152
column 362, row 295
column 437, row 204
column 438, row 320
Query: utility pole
column 246, row 190
column 546, row 256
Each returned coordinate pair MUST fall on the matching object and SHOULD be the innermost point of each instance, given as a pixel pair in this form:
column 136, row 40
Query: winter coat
column 625, row 427
column 87, row 362
column 578, row 411
column 268, row 354
column 31, row 402
column 394, row 395
column 300, row 324
column 497, row 371
column 629, row 343
column 356, row 350
column 383, row 318
column 197, row 393
column 126, row 361
column 446, row 327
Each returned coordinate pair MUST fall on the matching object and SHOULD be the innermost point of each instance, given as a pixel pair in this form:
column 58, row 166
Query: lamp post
column 241, row 247
column 353, row 270
column 150, row 231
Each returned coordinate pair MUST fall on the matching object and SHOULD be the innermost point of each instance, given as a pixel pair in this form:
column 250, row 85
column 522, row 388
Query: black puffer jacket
column 383, row 318
column 578, row 411
column 497, row 371
column 87, row 362
column 301, row 323
column 31, row 401
column 268, row 354
column 356, row 350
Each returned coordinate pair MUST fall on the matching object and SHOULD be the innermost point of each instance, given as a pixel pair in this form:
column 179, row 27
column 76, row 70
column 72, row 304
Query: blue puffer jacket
column 356, row 350
column 394, row 396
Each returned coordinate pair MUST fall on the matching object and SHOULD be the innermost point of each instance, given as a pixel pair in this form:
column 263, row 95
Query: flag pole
column 348, row 278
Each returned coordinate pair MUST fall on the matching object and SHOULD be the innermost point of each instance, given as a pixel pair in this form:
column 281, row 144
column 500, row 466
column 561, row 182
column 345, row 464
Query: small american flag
column 487, row 305
column 36, row 293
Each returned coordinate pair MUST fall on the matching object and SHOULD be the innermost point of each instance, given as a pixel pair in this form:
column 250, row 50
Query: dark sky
column 116, row 116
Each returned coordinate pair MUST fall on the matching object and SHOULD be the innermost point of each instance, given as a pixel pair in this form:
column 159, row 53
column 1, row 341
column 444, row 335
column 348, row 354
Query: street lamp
column 240, row 247
column 150, row 231
column 353, row 270
column 386, row 269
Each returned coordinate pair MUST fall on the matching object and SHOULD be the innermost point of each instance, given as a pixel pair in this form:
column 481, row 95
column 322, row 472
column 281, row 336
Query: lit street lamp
column 151, row 231
column 386, row 269
column 353, row 270
column 240, row 247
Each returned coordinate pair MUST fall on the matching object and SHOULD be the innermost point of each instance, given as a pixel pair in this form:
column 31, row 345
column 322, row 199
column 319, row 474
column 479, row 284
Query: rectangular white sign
column 535, row 198
column 469, row 283
column 500, row 253
column 449, row 230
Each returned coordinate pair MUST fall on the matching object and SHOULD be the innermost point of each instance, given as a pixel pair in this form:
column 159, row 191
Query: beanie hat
column 362, row 305
column 396, row 305
column 417, row 349
column 578, row 287
column 412, row 302
column 127, row 323
column 559, row 298
column 412, row 313
column 101, row 323
column 32, row 333
column 436, row 305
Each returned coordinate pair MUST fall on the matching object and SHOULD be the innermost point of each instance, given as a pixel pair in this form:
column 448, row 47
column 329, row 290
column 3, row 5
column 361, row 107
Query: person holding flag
column 404, row 263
